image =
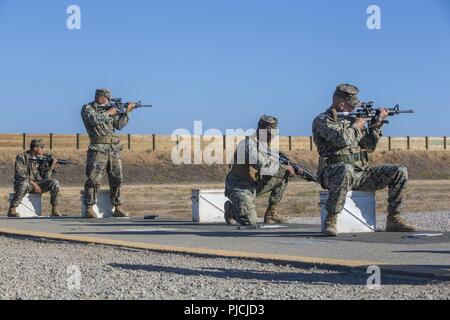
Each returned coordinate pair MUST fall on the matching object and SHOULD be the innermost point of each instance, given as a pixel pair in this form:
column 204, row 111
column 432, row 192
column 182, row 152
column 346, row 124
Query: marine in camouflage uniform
column 104, row 153
column 30, row 176
column 344, row 147
column 255, row 172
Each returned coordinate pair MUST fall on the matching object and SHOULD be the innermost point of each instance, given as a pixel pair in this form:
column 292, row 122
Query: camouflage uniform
column 344, row 161
column 104, row 151
column 258, row 174
column 27, row 171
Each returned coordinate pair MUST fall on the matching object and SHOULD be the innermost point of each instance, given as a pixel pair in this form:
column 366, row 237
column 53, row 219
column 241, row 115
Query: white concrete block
column 30, row 207
column 208, row 205
column 359, row 214
column 103, row 208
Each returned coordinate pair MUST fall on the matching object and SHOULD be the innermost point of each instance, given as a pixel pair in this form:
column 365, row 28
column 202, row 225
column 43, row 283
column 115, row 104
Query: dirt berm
column 147, row 167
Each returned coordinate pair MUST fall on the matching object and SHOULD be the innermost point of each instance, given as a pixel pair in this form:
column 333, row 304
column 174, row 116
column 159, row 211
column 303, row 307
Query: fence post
column 154, row 142
column 78, row 141
column 389, row 143
column 427, row 143
column 129, row 141
column 51, row 141
column 445, row 143
column 290, row 143
column 224, row 142
column 24, row 141
column 408, row 143
column 310, row 143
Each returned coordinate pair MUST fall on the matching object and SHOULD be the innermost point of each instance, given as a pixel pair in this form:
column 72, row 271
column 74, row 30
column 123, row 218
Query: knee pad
column 402, row 172
column 54, row 184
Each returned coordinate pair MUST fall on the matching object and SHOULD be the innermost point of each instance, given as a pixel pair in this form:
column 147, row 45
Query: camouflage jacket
column 27, row 170
column 99, row 124
column 342, row 137
column 255, row 159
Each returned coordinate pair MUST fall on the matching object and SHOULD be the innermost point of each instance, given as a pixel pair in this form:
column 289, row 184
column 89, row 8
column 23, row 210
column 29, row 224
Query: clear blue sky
column 225, row 62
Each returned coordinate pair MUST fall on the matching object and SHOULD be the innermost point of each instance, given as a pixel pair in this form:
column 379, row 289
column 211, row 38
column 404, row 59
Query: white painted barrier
column 208, row 205
column 359, row 214
column 30, row 207
column 103, row 208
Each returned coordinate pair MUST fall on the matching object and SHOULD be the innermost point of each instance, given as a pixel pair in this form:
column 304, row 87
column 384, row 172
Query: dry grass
column 174, row 200
column 154, row 185
column 148, row 167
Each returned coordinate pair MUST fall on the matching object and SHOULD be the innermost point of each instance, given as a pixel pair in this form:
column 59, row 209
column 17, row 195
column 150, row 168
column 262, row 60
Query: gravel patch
column 42, row 269
column 429, row 221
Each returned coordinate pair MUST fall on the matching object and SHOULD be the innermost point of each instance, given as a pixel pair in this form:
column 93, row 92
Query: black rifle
column 122, row 107
column 367, row 111
column 301, row 171
column 46, row 165
column 49, row 160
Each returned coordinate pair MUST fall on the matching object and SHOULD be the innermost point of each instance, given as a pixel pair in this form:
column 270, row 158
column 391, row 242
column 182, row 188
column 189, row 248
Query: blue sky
column 222, row 62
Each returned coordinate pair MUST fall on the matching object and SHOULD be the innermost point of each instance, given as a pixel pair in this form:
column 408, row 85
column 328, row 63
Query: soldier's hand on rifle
column 383, row 113
column 131, row 106
column 361, row 123
column 291, row 170
column 54, row 164
column 112, row 112
column 299, row 171
column 36, row 188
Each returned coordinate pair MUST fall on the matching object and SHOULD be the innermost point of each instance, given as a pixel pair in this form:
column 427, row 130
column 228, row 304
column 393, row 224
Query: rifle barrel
column 144, row 106
column 394, row 112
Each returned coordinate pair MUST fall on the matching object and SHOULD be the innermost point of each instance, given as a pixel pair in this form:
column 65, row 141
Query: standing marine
column 256, row 170
column 344, row 145
column 104, row 153
column 33, row 173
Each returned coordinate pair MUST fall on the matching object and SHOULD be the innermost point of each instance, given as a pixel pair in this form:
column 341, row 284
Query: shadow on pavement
column 328, row 275
column 425, row 251
column 221, row 234
column 309, row 231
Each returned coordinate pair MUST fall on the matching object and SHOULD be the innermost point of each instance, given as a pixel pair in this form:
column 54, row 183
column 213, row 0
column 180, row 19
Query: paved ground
column 43, row 269
column 393, row 252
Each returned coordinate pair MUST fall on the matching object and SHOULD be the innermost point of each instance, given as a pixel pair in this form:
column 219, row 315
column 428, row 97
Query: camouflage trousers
column 342, row 178
column 242, row 194
column 100, row 162
column 23, row 188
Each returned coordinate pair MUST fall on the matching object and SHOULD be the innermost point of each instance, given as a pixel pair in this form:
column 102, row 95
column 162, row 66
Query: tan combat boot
column 272, row 217
column 395, row 223
column 330, row 225
column 229, row 219
column 12, row 213
column 55, row 211
column 118, row 213
column 89, row 213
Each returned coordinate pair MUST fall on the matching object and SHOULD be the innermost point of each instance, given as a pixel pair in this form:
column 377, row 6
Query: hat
column 37, row 143
column 349, row 93
column 103, row 92
column 268, row 122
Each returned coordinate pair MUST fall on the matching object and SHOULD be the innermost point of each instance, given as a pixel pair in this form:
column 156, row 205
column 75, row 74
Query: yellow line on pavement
column 188, row 250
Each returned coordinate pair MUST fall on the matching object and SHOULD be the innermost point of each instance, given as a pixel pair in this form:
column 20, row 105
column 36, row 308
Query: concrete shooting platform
column 296, row 243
